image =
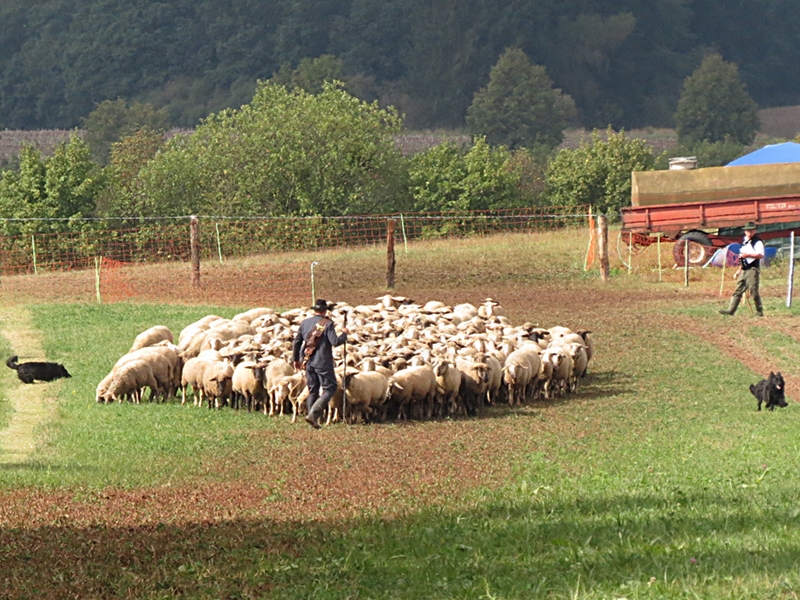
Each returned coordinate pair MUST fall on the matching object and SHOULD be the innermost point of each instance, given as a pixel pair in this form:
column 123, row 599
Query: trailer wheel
column 700, row 249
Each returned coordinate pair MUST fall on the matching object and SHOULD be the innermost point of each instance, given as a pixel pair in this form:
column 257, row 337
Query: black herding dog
column 43, row 371
column 770, row 391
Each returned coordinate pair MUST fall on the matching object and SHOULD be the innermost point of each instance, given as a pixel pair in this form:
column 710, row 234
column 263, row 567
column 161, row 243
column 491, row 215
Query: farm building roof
column 788, row 152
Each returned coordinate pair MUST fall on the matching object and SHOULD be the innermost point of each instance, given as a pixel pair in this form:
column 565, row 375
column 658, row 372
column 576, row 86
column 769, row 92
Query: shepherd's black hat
column 322, row 305
column 750, row 225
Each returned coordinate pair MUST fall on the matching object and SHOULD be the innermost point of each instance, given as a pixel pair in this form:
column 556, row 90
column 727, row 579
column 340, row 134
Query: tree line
column 623, row 63
column 290, row 151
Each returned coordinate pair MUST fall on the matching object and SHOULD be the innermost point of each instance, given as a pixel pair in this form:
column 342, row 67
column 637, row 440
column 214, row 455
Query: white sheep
column 412, row 390
column 448, row 385
column 287, row 387
column 246, row 386
column 366, row 393
column 152, row 336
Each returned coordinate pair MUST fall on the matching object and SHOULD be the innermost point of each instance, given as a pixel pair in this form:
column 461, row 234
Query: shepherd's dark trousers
column 749, row 280
column 316, row 380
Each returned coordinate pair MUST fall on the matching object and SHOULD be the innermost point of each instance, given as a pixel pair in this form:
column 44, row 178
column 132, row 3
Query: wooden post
column 686, row 263
column 194, row 245
column 658, row 241
column 390, row 259
column 602, row 246
column 97, row 263
column 791, row 272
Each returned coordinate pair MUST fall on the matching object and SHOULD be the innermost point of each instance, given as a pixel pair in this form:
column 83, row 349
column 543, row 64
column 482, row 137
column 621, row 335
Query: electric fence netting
column 224, row 260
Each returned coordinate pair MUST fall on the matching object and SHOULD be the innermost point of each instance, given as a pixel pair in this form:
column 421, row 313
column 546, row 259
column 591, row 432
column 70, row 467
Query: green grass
column 657, row 480
column 92, row 446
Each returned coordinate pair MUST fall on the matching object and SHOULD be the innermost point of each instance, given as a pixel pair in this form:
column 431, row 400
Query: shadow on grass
column 662, row 544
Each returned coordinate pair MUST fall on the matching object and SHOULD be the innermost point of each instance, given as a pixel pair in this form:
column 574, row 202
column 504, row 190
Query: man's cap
column 321, row 305
column 749, row 226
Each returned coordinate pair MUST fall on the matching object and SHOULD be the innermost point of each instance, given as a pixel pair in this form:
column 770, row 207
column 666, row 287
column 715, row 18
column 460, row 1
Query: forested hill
column 623, row 61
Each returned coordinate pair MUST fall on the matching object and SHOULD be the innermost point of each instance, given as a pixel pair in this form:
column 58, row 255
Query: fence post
column 97, row 261
column 219, row 243
column 658, row 242
column 194, row 244
column 791, row 271
column 630, row 253
column 602, row 246
column 686, row 264
column 33, row 250
column 403, row 229
column 390, row 259
column 313, row 288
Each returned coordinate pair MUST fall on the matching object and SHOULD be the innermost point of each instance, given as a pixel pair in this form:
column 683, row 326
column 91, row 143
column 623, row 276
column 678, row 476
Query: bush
column 446, row 178
column 598, row 173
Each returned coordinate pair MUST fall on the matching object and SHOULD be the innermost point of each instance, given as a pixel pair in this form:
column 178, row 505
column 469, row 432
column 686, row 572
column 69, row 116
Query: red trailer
column 706, row 208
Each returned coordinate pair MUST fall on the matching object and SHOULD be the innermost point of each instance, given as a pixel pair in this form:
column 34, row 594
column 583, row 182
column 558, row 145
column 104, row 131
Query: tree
column 63, row 186
column 715, row 106
column 113, row 120
column 447, row 178
column 122, row 195
column 285, row 153
column 519, row 107
column 598, row 173
column 311, row 74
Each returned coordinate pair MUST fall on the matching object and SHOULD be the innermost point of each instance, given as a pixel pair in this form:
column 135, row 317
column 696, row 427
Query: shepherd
column 312, row 350
column 748, row 275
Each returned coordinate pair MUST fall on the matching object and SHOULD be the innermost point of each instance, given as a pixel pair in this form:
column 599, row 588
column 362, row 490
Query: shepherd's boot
column 732, row 307
column 759, row 306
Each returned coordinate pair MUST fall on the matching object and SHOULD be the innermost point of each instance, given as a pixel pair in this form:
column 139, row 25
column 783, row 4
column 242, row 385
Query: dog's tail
column 11, row 363
column 753, row 390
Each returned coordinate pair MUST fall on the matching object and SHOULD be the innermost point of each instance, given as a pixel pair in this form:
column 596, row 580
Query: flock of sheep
column 402, row 361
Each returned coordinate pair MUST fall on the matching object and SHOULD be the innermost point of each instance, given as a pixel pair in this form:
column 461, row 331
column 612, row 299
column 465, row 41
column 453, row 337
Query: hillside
column 623, row 63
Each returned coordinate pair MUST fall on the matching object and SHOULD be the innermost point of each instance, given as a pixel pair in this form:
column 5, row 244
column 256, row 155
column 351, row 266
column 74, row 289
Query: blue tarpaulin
column 788, row 152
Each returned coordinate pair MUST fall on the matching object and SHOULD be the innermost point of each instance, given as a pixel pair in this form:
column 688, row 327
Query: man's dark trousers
column 316, row 379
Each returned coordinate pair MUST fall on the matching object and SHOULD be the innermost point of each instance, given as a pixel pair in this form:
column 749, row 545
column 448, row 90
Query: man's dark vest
column 756, row 264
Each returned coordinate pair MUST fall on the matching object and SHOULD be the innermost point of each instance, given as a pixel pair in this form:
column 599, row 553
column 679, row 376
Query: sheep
column 287, row 387
column 129, row 380
column 216, row 384
column 366, row 393
column 466, row 346
column 474, row 384
column 246, row 386
column 412, row 388
column 518, row 372
column 588, row 341
column 448, row 384
column 192, row 375
column 161, row 361
column 495, row 382
column 152, row 336
column 187, row 333
column 270, row 371
column 251, row 315
column 562, row 367
column 580, row 360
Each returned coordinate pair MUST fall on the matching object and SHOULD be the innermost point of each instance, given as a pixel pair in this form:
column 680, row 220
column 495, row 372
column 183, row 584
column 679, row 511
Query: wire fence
column 150, row 261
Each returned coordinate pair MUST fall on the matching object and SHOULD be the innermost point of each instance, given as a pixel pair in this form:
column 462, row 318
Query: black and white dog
column 770, row 391
column 43, row 371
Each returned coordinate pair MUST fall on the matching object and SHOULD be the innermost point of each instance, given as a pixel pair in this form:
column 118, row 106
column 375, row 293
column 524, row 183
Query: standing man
column 749, row 272
column 312, row 350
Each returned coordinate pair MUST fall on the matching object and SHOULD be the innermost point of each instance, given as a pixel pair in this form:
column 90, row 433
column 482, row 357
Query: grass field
column 657, row 479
